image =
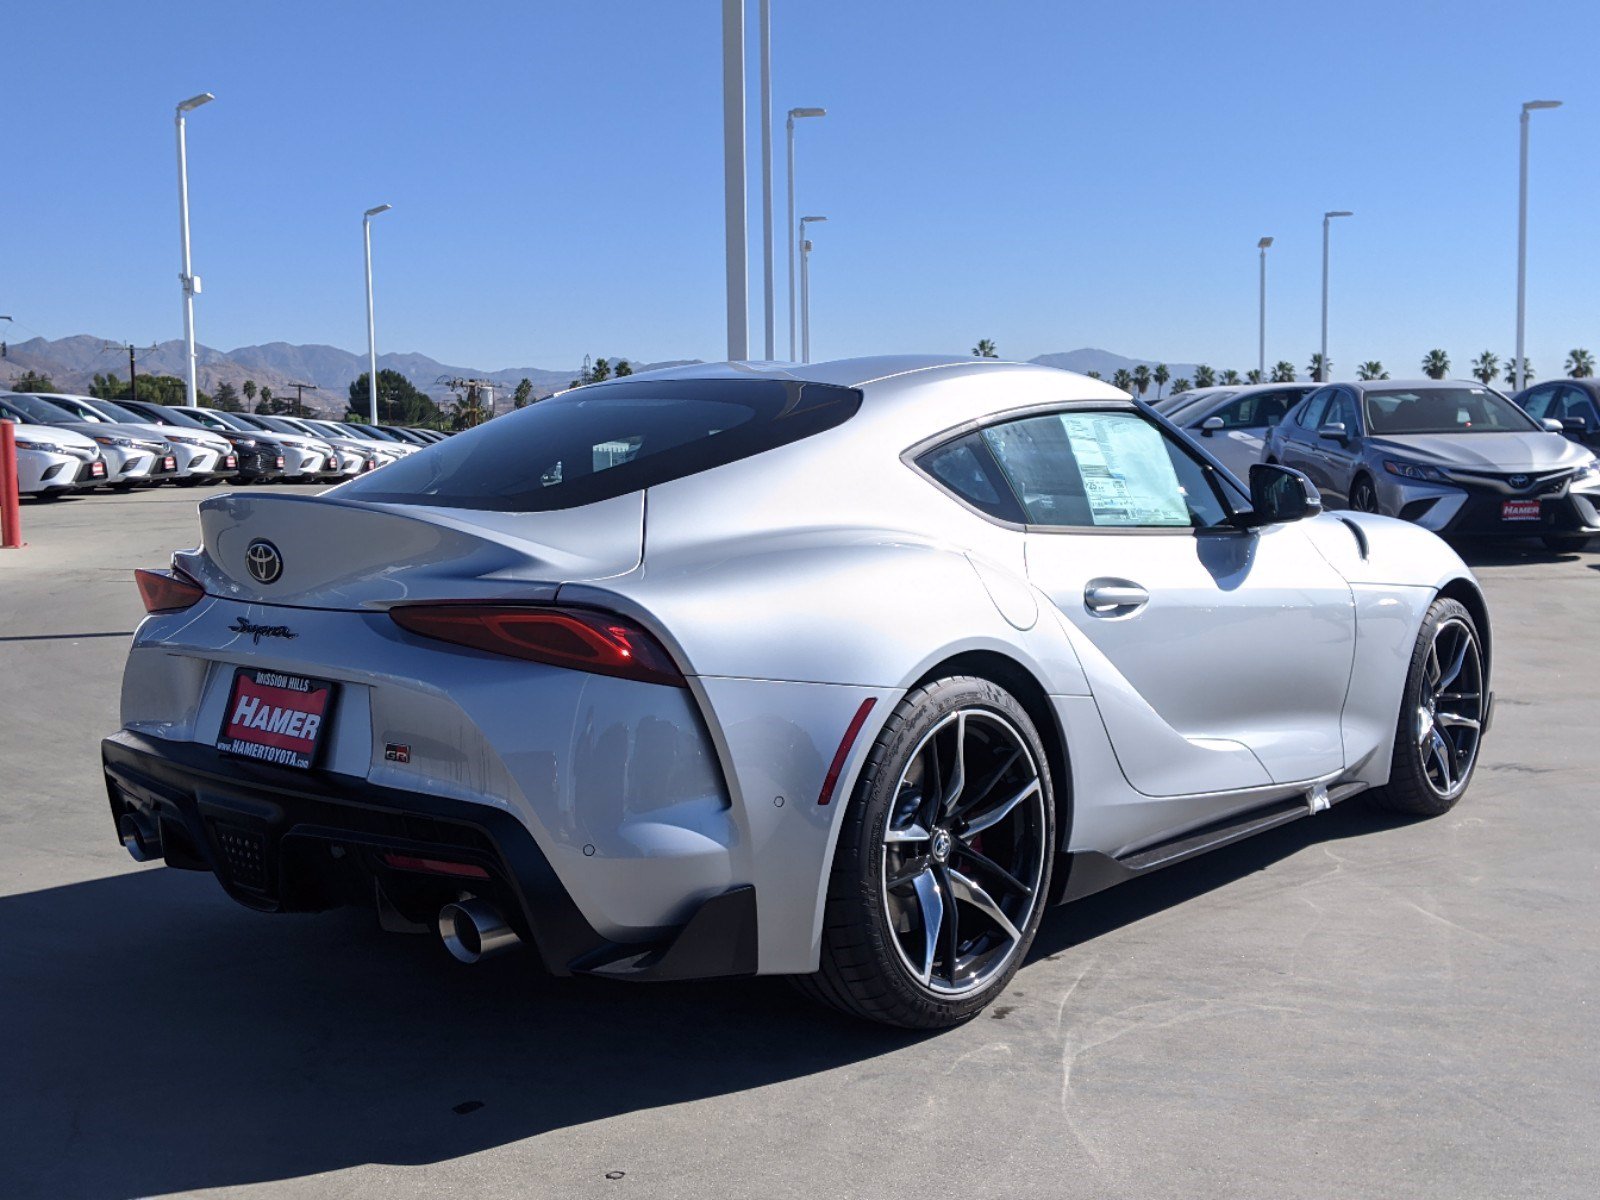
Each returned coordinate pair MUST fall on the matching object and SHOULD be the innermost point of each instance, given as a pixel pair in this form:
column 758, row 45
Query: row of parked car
column 1456, row 457
column 68, row 443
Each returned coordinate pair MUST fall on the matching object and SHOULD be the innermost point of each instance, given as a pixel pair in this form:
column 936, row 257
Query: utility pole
column 300, row 395
column 133, row 375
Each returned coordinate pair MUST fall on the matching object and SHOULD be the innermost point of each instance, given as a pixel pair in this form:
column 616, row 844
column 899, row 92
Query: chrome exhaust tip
column 139, row 837
column 474, row 929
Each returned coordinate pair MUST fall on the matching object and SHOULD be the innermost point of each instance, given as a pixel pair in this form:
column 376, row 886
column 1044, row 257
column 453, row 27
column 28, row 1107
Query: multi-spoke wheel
column 1441, row 718
column 942, row 867
column 1363, row 496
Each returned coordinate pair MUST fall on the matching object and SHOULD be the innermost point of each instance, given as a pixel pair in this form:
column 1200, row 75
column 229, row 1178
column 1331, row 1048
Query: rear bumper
column 282, row 840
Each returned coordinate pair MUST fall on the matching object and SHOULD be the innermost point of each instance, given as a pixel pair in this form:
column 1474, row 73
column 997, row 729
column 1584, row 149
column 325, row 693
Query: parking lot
column 1349, row 1005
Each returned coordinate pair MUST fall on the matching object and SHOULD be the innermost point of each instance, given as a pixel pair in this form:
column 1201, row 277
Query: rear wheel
column 1565, row 543
column 1363, row 496
column 943, row 864
column 1441, row 716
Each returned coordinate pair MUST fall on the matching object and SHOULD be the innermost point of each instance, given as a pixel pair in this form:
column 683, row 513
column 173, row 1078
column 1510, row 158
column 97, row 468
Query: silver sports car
column 842, row 671
column 1457, row 458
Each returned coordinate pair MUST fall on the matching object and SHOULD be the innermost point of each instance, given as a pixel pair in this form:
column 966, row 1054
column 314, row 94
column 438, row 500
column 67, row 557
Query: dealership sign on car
column 275, row 717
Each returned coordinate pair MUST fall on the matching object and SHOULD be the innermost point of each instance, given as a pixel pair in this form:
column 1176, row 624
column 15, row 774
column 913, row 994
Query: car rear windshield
column 605, row 440
column 1459, row 409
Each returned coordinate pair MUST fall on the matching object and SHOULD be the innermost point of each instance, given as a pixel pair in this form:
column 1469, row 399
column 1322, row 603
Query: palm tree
column 1485, row 367
column 1317, row 369
column 1160, row 375
column 1436, row 364
column 1511, row 372
column 984, row 349
column 1121, row 379
column 1179, row 386
column 1253, row 375
column 1230, row 376
column 1204, row 376
column 1580, row 364
column 1092, row 374
column 1283, row 372
column 1141, row 378
column 1370, row 370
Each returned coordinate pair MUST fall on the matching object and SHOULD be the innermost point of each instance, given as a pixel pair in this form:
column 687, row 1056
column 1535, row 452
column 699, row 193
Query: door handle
column 1113, row 597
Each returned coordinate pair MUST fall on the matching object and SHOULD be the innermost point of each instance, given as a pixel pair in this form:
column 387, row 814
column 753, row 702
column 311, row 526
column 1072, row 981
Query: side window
column 1259, row 410
column 1107, row 469
column 1311, row 415
column 1342, row 410
column 966, row 467
column 1572, row 401
column 1537, row 403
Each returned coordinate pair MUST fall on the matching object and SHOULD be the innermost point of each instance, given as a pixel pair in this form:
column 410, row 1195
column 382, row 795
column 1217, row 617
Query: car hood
column 30, row 431
column 94, row 429
column 1533, row 451
column 204, row 437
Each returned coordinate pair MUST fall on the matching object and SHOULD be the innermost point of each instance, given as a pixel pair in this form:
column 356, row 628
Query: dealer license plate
column 275, row 718
column 1519, row 510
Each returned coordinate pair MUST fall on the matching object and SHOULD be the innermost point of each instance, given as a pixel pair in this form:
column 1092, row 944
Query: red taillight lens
column 581, row 639
column 434, row 866
column 167, row 591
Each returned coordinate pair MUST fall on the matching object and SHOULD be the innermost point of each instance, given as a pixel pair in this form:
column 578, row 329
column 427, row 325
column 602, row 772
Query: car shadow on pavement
column 162, row 1039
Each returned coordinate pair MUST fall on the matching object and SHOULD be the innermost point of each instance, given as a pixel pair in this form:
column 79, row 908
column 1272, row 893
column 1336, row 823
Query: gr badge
column 396, row 752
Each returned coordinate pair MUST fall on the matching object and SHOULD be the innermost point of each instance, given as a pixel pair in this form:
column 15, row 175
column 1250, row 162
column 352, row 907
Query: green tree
column 523, row 396
column 1141, row 378
column 1253, row 375
column 623, row 368
column 107, row 387
column 466, row 410
column 1485, row 367
column 601, row 371
column 1160, row 375
column 1204, row 377
column 1370, row 370
column 227, row 398
column 400, row 402
column 1511, row 372
column 1436, row 364
column 1283, row 372
column 1092, row 374
column 1179, row 386
column 984, row 349
column 1319, row 370
column 1580, row 364
column 1121, row 379
column 249, row 390
column 1230, row 377
column 32, row 381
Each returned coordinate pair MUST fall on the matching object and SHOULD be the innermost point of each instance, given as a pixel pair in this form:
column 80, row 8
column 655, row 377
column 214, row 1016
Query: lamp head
column 194, row 102
column 808, row 220
column 382, row 208
column 1263, row 243
column 1533, row 104
column 808, row 112
column 1341, row 213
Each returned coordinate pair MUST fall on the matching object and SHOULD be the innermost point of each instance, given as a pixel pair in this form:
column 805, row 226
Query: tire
column 951, row 859
column 1428, row 777
column 1364, row 497
column 1565, row 543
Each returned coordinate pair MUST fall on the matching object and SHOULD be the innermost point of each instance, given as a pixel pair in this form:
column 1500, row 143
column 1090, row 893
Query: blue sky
column 1051, row 175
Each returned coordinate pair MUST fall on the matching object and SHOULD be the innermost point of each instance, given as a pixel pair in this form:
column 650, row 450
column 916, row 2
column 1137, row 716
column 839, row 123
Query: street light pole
column 1327, row 217
column 805, row 288
column 191, row 284
column 1261, row 346
column 1522, row 238
column 793, row 113
column 372, row 328
column 766, row 175
column 733, row 159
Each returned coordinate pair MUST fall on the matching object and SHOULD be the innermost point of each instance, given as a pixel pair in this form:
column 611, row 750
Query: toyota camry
column 843, row 671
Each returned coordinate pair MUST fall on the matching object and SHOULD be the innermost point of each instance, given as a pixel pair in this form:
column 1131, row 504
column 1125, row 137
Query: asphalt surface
column 1349, row 1006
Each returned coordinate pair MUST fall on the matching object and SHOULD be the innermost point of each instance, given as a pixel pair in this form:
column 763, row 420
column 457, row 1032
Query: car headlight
column 204, row 443
column 1408, row 470
column 47, row 447
column 121, row 442
column 1588, row 473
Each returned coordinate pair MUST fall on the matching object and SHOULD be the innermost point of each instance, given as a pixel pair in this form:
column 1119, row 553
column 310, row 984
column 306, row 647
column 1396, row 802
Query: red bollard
column 10, row 509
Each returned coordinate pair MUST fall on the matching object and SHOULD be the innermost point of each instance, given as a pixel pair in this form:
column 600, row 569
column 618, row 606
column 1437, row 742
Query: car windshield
column 171, row 416
column 223, row 420
column 1193, row 405
column 42, row 411
column 606, row 440
column 277, row 425
column 373, row 431
column 115, row 412
column 1448, row 409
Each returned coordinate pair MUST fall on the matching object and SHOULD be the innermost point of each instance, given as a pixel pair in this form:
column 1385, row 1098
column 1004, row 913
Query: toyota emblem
column 263, row 561
column 1518, row 481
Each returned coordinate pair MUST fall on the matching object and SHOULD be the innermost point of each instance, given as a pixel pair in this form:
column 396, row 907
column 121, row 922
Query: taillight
column 167, row 591
column 577, row 638
column 434, row 866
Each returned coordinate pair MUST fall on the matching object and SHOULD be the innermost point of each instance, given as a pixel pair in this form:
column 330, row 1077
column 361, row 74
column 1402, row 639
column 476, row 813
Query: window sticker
column 1127, row 473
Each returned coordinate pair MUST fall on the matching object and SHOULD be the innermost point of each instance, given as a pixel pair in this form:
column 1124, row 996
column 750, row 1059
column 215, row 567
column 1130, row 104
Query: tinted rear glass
column 606, row 440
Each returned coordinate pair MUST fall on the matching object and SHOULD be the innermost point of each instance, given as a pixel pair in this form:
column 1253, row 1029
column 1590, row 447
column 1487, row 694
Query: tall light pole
column 805, row 288
column 372, row 328
column 1327, row 217
column 794, row 113
column 733, row 169
column 1522, row 237
column 1261, row 344
column 766, row 174
column 187, row 277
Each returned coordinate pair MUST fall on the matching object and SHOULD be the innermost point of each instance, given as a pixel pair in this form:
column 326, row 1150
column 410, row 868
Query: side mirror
column 1210, row 425
column 1279, row 494
column 1552, row 425
column 1334, row 431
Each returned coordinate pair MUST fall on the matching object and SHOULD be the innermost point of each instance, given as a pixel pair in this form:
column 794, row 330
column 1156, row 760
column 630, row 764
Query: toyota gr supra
column 842, row 671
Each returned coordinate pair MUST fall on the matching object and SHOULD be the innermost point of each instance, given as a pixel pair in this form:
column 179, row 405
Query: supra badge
column 262, row 560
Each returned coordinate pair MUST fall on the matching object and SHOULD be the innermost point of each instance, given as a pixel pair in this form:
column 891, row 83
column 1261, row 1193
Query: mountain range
column 72, row 363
